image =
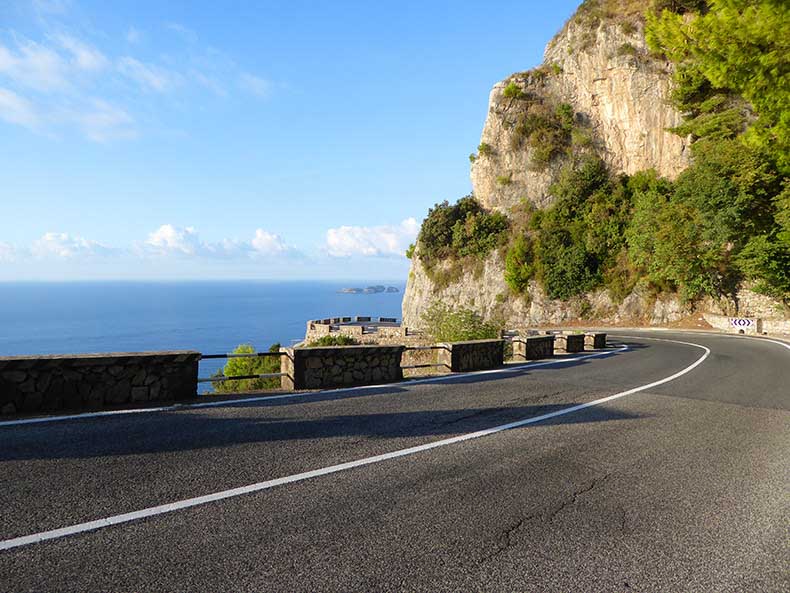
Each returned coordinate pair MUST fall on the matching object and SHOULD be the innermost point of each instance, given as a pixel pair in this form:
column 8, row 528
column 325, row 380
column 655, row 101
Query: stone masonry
column 569, row 343
column 475, row 355
column 533, row 347
column 595, row 341
column 33, row 384
column 340, row 366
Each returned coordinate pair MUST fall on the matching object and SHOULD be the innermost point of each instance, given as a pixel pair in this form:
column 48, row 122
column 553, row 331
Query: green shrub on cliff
column 334, row 340
column 444, row 324
column 546, row 130
column 520, row 264
column 463, row 229
column 235, row 367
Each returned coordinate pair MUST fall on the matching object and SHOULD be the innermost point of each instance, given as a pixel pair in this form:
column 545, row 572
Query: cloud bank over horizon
column 173, row 243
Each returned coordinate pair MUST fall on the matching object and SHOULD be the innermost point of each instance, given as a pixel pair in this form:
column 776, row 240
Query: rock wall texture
column 94, row 381
column 340, row 366
column 622, row 97
column 474, row 355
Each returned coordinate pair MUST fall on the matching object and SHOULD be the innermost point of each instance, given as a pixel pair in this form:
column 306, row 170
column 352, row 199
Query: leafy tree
column 767, row 260
column 564, row 267
column 460, row 230
column 520, row 264
column 743, row 46
column 478, row 233
column 247, row 366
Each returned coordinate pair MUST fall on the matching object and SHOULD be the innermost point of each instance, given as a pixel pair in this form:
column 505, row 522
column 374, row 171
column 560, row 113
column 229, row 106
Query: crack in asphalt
column 505, row 537
column 575, row 496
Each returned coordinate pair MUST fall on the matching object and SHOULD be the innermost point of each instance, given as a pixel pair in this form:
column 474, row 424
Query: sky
column 243, row 139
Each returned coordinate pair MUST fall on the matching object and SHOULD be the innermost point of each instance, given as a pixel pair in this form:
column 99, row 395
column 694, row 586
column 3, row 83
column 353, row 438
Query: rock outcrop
column 619, row 96
column 616, row 89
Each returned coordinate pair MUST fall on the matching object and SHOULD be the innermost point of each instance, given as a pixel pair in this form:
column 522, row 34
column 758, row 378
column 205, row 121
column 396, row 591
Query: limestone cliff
column 619, row 95
column 615, row 88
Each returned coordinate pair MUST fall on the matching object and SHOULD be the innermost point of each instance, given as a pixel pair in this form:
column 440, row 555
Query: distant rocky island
column 369, row 290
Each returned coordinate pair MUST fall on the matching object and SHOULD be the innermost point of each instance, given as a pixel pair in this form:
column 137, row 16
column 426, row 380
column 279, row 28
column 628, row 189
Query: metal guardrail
column 221, row 378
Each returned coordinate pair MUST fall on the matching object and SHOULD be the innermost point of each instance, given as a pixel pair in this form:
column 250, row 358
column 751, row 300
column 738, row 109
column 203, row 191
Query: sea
column 210, row 317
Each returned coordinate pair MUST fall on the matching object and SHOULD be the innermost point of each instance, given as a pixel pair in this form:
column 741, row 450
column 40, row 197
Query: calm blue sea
column 211, row 317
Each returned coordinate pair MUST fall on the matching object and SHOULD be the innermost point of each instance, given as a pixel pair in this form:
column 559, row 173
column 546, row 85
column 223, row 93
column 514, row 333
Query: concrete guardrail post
column 595, row 341
column 533, row 347
column 340, row 366
column 569, row 343
column 475, row 355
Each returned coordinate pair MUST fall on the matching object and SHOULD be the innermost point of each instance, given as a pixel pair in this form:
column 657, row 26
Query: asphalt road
column 680, row 486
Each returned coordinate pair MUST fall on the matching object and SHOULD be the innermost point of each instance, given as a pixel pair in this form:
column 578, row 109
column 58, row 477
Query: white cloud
column 101, row 122
column 169, row 239
column 385, row 240
column 255, row 85
column 84, row 57
column 7, row 252
column 134, row 36
column 58, row 82
column 265, row 243
column 35, row 66
column 147, row 75
column 63, row 245
column 18, row 110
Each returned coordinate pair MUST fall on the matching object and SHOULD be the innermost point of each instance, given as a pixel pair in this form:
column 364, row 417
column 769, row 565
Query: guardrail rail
column 220, row 378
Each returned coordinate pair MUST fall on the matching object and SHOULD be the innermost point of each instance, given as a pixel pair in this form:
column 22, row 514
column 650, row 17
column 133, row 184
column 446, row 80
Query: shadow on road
column 167, row 433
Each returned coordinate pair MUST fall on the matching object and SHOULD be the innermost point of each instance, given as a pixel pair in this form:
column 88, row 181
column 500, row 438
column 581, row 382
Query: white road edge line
column 267, row 398
column 200, row 500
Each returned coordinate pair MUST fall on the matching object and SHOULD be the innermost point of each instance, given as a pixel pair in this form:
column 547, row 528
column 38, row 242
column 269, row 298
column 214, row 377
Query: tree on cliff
column 246, row 366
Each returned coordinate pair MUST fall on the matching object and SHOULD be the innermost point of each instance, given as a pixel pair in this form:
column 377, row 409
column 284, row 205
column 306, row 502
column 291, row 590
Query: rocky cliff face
column 616, row 90
column 619, row 96
column 488, row 294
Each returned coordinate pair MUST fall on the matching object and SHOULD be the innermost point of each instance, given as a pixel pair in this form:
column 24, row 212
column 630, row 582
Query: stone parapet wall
column 33, row 384
column 595, row 341
column 340, row 366
column 475, row 355
column 533, row 347
column 776, row 326
column 726, row 324
column 569, row 343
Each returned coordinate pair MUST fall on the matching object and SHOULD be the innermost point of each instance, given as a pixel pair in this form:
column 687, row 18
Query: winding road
column 662, row 464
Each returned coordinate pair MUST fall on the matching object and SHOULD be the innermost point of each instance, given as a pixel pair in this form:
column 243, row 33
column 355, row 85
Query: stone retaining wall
column 533, row 347
column 595, row 341
column 475, row 355
column 33, row 384
column 340, row 366
column 569, row 343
